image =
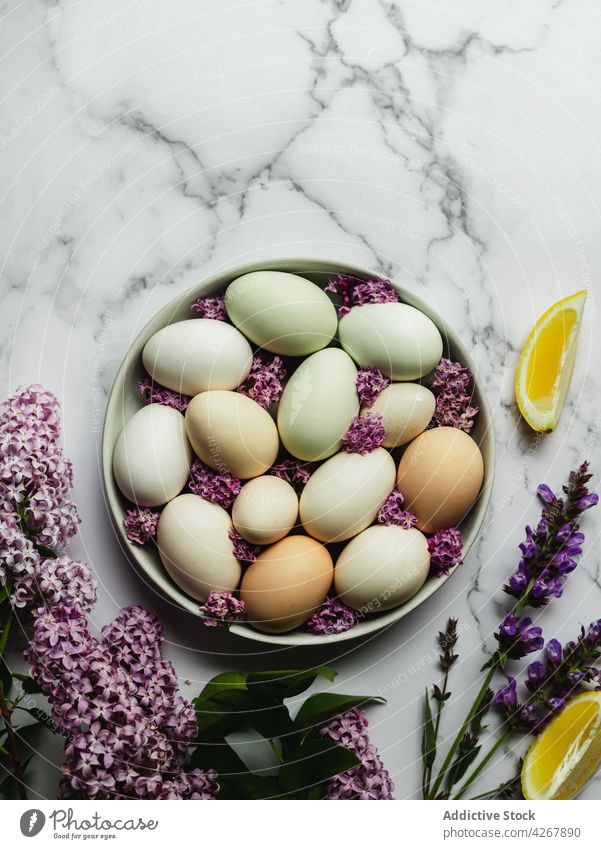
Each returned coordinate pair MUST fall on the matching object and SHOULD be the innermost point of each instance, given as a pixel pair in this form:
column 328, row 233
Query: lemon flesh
column 547, row 361
column 567, row 753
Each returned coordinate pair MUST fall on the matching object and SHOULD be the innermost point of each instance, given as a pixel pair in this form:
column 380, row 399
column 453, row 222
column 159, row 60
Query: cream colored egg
column 198, row 355
column 286, row 584
column 152, row 456
column 398, row 339
column 232, row 433
column 381, row 568
column 344, row 494
column 195, row 547
column 406, row 410
column 265, row 510
column 440, row 474
column 283, row 313
column 318, row 405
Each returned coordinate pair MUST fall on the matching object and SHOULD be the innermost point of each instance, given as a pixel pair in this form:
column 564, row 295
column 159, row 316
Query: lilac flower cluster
column 116, row 702
column 265, row 383
column 220, row 609
column 37, row 515
column 356, row 293
column 217, row 488
column 211, row 307
column 295, row 472
column 369, row 383
column 446, row 551
column 451, row 386
column 365, row 434
column 243, row 550
column 154, row 393
column 561, row 674
column 141, row 524
column 332, row 617
column 392, row 513
column 370, row 780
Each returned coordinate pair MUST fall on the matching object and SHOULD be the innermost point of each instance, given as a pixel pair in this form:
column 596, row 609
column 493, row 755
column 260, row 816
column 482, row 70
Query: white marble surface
column 453, row 145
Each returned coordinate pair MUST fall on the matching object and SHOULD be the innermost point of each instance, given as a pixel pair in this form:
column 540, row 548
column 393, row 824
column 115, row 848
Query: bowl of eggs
column 299, row 450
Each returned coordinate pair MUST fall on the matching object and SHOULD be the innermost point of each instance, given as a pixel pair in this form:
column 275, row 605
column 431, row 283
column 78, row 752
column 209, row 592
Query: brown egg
column 440, row 475
column 286, row 584
column 232, row 433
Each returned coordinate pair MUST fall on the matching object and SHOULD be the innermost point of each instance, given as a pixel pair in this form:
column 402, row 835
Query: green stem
column 427, row 773
column 451, row 753
column 12, row 746
column 275, row 749
column 481, row 765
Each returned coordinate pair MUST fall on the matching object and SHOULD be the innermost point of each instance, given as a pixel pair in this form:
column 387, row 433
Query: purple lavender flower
column 217, row 488
column 392, row 513
column 222, row 608
column 370, row 382
column 446, row 550
column 516, row 637
column 295, row 472
column 507, row 696
column 554, row 652
column 369, row 780
column 154, row 393
column 141, row 524
column 365, row 434
column 332, row 617
column 356, row 292
column 116, row 702
column 211, row 307
column 265, row 382
column 243, row 550
column 451, row 386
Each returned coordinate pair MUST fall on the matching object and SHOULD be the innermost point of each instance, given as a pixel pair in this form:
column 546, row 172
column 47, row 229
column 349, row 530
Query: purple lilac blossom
column 141, row 524
column 222, row 608
column 332, row 617
column 365, row 434
column 212, row 307
column 451, row 386
column 217, row 488
column 370, row 382
column 446, row 550
column 265, row 382
column 295, row 472
column 370, row 780
column 154, row 393
column 355, row 292
column 243, row 550
column 392, row 513
column 116, row 701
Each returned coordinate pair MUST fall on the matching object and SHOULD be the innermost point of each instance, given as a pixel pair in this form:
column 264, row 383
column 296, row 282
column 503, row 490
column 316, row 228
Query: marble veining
column 450, row 145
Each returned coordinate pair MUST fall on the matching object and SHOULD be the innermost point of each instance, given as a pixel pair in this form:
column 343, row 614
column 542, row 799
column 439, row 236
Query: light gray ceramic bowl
column 125, row 400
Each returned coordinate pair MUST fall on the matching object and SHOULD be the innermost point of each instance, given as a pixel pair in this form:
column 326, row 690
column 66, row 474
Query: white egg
column 152, row 456
column 283, row 313
column 318, row 404
column 398, row 339
column 381, row 568
column 265, row 510
column 195, row 547
column 344, row 494
column 406, row 410
column 232, row 434
column 197, row 355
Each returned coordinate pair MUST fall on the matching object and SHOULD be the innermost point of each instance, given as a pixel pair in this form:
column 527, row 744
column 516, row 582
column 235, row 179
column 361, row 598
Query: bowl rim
column 137, row 555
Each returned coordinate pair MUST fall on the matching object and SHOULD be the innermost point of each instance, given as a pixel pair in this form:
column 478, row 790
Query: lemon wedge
column 547, row 361
column 567, row 753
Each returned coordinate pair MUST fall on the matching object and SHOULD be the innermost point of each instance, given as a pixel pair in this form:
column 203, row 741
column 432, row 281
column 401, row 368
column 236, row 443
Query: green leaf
column 41, row 716
column 214, row 721
column 225, row 681
column 428, row 734
column 219, row 756
column 4, row 634
column 283, row 683
column 322, row 706
column 461, row 765
column 313, row 763
column 6, row 678
column 4, row 594
column 249, row 786
column 28, row 685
